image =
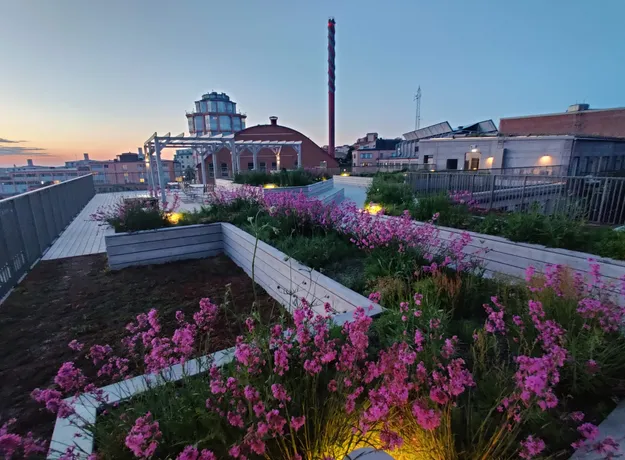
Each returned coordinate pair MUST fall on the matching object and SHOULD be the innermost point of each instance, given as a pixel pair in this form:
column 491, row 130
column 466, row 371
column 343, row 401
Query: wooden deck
column 84, row 236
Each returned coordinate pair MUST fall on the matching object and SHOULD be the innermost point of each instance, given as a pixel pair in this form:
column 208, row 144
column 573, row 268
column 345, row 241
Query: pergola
column 206, row 145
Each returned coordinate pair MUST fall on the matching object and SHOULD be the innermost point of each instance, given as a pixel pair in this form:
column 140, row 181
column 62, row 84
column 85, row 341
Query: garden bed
column 458, row 365
column 79, row 298
column 458, row 210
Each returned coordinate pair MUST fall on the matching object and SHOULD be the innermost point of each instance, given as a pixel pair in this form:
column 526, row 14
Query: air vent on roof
column 578, row 107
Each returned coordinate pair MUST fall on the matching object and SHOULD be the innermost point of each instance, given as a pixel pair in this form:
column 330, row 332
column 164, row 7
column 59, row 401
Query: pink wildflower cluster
column 463, row 197
column 143, row 437
column 12, row 444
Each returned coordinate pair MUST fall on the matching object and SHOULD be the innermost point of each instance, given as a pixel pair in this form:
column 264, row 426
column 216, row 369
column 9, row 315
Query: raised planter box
column 163, row 245
column 316, row 189
column 311, row 190
column 502, row 256
column 285, row 279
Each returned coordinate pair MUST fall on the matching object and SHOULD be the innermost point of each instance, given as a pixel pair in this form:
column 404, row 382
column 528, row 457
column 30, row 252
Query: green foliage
column 316, row 251
column 180, row 406
column 295, row 178
column 135, row 217
column 391, row 191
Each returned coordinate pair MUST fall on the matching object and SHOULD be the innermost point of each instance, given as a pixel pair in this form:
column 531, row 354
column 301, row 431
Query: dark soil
column 79, row 298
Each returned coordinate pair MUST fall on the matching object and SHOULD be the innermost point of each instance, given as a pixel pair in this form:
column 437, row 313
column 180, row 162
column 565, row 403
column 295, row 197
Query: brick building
column 313, row 156
column 578, row 120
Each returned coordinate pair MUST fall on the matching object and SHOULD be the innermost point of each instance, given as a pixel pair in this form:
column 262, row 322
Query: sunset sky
column 102, row 76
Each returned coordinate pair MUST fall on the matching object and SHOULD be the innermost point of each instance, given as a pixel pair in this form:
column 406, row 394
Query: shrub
column 132, row 215
column 295, row 178
column 390, row 191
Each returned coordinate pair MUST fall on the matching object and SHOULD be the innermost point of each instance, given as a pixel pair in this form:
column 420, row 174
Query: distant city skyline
column 101, row 77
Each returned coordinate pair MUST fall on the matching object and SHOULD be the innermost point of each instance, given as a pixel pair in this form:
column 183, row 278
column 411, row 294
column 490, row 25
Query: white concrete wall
column 503, row 256
column 316, row 189
column 227, row 184
column 285, row 279
column 355, row 181
column 163, row 245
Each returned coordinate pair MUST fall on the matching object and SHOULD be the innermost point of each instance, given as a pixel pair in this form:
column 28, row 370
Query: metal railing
column 426, row 168
column 599, row 200
column 30, row 222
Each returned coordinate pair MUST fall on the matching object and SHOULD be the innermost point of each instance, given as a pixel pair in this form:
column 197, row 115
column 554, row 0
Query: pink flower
column 297, row 422
column 279, row 392
column 69, row 378
column 76, row 345
column 428, row 419
column 191, row 453
column 531, row 447
column 143, row 437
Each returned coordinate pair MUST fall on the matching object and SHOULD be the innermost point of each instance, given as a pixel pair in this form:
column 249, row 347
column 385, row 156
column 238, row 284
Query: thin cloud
column 9, row 141
column 6, row 150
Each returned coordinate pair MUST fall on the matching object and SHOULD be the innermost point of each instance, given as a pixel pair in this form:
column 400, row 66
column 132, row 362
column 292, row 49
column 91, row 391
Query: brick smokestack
column 331, row 86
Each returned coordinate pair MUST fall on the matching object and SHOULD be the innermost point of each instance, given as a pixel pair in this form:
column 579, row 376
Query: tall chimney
column 331, row 86
column 85, row 156
column 29, row 162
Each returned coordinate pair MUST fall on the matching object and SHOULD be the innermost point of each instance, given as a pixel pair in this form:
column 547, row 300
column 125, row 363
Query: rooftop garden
column 295, row 178
column 458, row 366
column 458, row 209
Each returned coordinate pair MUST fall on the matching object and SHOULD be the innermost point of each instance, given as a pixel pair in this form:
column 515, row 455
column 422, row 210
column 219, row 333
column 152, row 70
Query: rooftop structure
column 578, row 120
column 215, row 114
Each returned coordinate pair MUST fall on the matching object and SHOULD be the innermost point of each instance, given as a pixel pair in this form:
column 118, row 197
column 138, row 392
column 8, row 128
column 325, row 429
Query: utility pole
column 417, row 98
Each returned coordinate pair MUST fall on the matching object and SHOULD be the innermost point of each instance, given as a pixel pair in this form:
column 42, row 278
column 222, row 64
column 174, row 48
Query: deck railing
column 599, row 200
column 30, row 222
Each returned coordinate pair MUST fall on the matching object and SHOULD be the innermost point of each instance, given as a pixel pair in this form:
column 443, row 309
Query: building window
column 250, row 166
column 213, row 106
column 229, row 107
column 221, row 107
column 142, row 180
column 213, row 120
column 274, row 166
column 125, row 167
column 452, row 164
column 203, row 107
column 236, row 124
column 211, row 170
column 263, row 166
column 426, row 159
column 199, row 124
column 224, row 170
column 225, row 123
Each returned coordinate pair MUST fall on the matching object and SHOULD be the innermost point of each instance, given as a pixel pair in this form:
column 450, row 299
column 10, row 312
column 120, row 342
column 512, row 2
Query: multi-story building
column 374, row 154
column 22, row 179
column 367, row 141
column 578, row 120
column 185, row 158
column 215, row 114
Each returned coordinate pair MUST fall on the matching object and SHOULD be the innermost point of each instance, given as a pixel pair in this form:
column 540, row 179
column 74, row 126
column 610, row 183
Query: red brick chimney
column 274, row 121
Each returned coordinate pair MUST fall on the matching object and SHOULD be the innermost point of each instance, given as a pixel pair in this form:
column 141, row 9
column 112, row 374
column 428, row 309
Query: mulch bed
column 80, row 298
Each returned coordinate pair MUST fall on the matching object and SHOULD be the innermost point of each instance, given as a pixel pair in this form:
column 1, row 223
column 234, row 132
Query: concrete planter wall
column 506, row 257
column 311, row 190
column 285, row 279
column 163, row 245
column 316, row 189
column 355, row 181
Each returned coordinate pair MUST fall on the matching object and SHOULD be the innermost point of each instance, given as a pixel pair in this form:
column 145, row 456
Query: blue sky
column 101, row 76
